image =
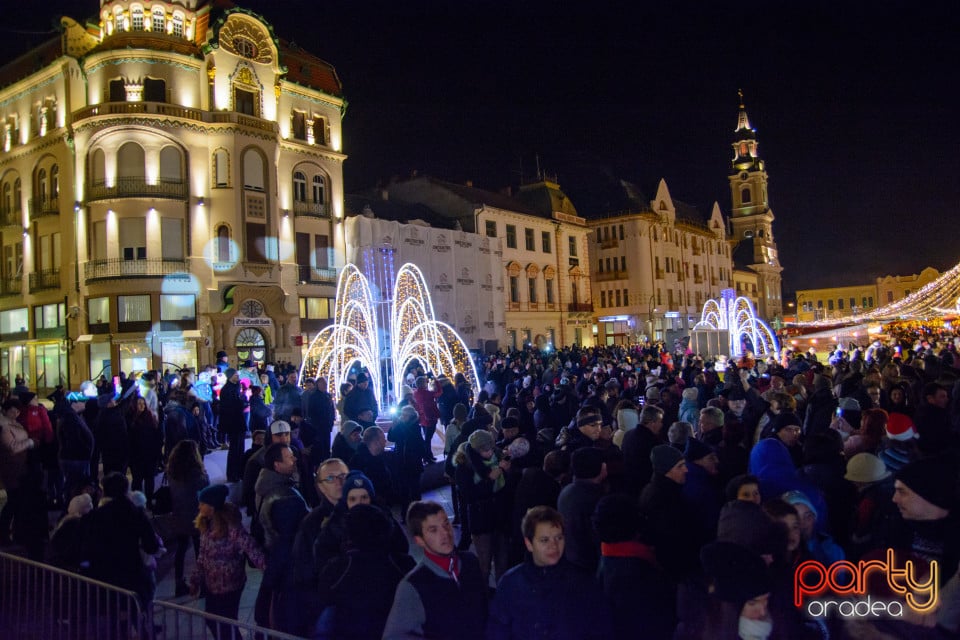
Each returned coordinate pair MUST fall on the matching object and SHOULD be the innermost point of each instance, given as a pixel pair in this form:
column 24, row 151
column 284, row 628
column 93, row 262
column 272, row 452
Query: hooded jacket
column 280, row 508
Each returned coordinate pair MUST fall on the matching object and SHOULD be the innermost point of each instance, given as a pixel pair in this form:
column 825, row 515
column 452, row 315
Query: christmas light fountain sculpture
column 736, row 316
column 385, row 335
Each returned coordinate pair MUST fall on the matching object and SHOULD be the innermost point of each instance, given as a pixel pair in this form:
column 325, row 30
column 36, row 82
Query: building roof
column 308, row 70
column 148, row 40
column 32, row 61
column 395, row 210
column 545, row 197
column 743, row 254
column 482, row 197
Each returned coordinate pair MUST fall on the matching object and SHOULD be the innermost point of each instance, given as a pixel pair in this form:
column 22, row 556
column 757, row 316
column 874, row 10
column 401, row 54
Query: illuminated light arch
column 737, row 316
column 413, row 334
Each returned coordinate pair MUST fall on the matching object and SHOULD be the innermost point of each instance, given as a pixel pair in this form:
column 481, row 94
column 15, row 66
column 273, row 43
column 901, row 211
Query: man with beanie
column 925, row 492
column 673, row 526
column 583, row 432
column 577, row 502
column 445, row 595
column 232, row 423
column 900, row 447
column 642, row 599
column 360, row 405
column 547, row 596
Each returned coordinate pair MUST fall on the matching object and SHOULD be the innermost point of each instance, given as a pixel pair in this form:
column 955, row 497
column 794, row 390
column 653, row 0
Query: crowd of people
column 596, row 492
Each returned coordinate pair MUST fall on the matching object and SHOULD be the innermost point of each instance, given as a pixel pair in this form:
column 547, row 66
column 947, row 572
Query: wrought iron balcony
column 318, row 275
column 40, row 207
column 137, row 187
column 43, row 280
column 118, row 268
column 312, row 209
column 11, row 286
column 11, row 218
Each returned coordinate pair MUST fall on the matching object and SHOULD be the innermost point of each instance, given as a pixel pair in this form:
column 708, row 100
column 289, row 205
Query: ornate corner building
column 751, row 221
column 170, row 186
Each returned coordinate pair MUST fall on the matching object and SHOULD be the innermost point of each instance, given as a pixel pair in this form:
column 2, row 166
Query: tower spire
column 743, row 124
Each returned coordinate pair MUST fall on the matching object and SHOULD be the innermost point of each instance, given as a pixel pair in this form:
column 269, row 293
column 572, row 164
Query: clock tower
column 751, row 220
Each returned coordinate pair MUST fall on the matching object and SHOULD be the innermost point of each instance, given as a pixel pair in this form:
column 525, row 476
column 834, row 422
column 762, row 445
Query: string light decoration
column 938, row 298
column 412, row 334
column 736, row 315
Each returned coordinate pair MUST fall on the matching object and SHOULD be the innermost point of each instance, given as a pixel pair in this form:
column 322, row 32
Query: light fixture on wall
column 76, row 207
column 286, row 213
column 26, row 231
column 200, row 202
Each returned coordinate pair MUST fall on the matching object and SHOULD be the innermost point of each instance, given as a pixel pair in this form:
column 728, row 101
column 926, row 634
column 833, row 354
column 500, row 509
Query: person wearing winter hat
column 745, row 524
column 360, row 404
column 740, row 593
column 577, row 502
column 347, row 441
column 820, row 545
column 873, row 505
column 925, row 493
column 900, row 447
column 584, row 431
column 675, row 529
column 786, row 427
column 480, row 477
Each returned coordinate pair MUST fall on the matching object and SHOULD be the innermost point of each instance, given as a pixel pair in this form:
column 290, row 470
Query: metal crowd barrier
column 41, row 602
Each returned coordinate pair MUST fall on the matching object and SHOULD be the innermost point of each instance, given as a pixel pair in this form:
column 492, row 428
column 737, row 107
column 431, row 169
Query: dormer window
column 244, row 48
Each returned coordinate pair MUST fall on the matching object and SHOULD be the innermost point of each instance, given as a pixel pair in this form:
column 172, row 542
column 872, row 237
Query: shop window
column 133, row 309
column 100, row 360
column 14, row 322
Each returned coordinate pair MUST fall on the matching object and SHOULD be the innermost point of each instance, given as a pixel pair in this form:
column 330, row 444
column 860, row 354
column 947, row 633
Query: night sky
column 855, row 105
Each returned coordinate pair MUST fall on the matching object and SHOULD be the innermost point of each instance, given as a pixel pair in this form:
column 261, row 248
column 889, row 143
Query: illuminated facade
column 834, row 303
column 653, row 270
column 543, row 241
column 171, row 183
column 751, row 221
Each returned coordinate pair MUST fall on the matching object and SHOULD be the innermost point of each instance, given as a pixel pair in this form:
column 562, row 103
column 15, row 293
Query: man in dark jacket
column 280, row 508
column 232, row 423
column 111, row 435
column 637, row 445
column 360, row 405
column 576, row 503
column 370, row 461
column 76, row 444
column 287, row 398
column 547, row 596
column 321, row 412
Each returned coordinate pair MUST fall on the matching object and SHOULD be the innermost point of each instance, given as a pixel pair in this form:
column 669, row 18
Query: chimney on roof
column 469, row 183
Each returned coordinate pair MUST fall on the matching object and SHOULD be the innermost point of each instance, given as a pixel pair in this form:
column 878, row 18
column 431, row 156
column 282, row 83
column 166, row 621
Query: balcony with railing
column 607, row 276
column 311, row 209
column 44, row 280
column 11, row 285
column 164, row 109
column 579, row 307
column 40, row 207
column 11, row 217
column 119, row 268
column 532, row 306
column 137, row 187
column 317, row 275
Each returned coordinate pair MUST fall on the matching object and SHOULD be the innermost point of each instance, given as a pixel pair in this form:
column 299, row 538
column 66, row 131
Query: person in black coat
column 322, row 413
column 145, row 443
column 407, row 435
column 369, row 460
column 111, row 435
column 232, row 405
column 538, row 486
column 369, row 567
column 637, row 445
column 116, row 533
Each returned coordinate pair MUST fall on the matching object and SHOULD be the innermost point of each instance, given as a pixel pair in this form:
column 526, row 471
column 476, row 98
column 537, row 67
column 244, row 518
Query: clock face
column 251, row 309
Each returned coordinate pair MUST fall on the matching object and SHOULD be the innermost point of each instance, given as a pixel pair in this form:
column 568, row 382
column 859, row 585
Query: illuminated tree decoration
column 736, row 315
column 413, row 334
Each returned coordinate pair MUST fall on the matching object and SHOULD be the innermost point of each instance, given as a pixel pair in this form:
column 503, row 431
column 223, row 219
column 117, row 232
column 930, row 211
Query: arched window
column 178, row 25
column 299, row 187
column 130, row 161
column 42, row 185
column 17, row 206
column 136, row 17
column 170, row 169
column 745, row 195
column 223, row 244
column 221, row 168
column 118, row 21
column 54, row 182
column 253, row 177
column 7, row 198
column 319, row 189
column 98, row 168
column 159, row 20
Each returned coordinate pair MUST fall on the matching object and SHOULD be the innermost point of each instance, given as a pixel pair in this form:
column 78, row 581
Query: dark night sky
column 855, row 105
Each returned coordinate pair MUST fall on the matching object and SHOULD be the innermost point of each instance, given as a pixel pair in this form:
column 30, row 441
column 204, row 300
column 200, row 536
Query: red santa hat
column 900, row 427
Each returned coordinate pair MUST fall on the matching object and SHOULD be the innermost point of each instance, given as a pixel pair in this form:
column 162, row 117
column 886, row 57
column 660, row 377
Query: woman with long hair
column 225, row 547
column 186, row 476
column 146, row 440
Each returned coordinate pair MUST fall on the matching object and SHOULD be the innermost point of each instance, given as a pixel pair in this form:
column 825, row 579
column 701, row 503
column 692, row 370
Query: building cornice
column 35, row 145
column 312, row 150
column 97, row 61
column 32, row 83
column 168, row 123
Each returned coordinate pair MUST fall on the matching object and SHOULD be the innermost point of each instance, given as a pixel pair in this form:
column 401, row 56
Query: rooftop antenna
column 539, row 174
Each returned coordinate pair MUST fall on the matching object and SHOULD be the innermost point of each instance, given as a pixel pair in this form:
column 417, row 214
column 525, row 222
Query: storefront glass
column 51, row 365
column 135, row 356
column 179, row 353
column 100, row 360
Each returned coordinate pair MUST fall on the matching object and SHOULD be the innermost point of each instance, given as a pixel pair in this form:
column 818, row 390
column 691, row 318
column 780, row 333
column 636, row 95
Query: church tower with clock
column 751, row 219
